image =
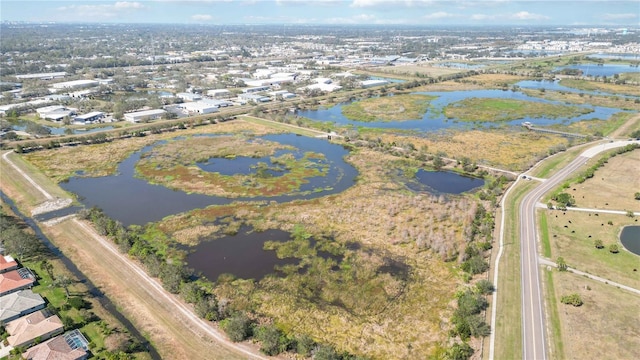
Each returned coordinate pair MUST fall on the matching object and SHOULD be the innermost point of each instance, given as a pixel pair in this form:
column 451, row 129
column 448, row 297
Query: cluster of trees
column 467, row 319
column 16, row 240
column 564, row 200
column 176, row 278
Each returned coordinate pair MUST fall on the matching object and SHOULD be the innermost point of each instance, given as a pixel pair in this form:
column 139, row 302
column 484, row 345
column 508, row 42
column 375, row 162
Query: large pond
column 241, row 255
column 443, row 182
column 630, row 238
column 434, row 119
column 600, row 69
column 131, row 200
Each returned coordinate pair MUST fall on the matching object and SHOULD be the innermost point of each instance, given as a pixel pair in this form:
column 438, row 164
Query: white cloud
column 525, row 15
column 100, row 11
column 481, row 17
column 619, row 16
column 201, row 17
column 407, row 3
column 439, row 15
column 128, row 5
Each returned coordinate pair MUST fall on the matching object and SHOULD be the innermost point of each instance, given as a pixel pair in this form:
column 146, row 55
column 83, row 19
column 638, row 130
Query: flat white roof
column 145, row 113
column 90, row 115
column 74, row 83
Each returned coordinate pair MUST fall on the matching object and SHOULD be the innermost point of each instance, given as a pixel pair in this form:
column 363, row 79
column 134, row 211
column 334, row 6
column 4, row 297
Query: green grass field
column 489, row 110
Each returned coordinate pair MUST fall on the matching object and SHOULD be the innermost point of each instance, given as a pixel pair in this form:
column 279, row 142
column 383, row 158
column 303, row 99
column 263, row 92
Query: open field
column 388, row 108
column 612, row 186
column 577, row 248
column 605, row 327
column 596, row 127
column 511, row 149
column 601, row 86
column 481, row 109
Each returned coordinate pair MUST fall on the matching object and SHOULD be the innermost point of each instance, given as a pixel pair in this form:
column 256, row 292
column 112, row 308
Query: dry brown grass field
column 511, row 149
column 388, row 223
column 613, row 186
column 577, row 248
column 605, row 327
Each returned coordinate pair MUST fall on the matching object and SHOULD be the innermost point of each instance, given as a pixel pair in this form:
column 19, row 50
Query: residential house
column 38, row 325
column 69, row 346
column 18, row 304
column 16, row 280
column 7, row 263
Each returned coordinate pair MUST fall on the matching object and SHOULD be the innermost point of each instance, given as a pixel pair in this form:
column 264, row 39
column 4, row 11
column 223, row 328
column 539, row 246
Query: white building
column 253, row 90
column 244, row 98
column 145, row 115
column 43, row 76
column 88, row 118
column 199, row 107
column 281, row 94
column 219, row 93
column 189, row 96
column 371, row 83
column 75, row 84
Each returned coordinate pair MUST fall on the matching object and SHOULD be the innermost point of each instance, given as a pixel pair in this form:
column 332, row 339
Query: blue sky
column 406, row 12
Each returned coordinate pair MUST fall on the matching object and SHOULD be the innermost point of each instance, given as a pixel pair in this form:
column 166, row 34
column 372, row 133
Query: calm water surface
column 630, row 238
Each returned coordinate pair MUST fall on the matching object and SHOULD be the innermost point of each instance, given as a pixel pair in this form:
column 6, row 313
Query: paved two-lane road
column 534, row 344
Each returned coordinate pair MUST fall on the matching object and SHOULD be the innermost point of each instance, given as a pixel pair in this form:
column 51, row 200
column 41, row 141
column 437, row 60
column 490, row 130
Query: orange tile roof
column 12, row 280
column 7, row 263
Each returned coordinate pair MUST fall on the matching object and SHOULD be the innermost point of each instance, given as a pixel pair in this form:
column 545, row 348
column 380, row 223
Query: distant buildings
column 43, row 76
column 145, row 115
column 219, row 93
column 75, row 84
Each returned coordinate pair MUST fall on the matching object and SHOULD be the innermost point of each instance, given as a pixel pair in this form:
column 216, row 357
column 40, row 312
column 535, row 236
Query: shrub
column 573, row 299
column 237, row 327
column 598, row 244
column 485, row 287
column 613, row 248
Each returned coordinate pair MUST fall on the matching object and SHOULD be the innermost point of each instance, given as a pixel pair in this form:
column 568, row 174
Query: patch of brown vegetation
column 507, row 149
column 605, row 327
column 613, row 186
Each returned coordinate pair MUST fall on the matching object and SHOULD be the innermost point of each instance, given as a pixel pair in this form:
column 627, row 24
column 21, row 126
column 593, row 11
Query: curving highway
column 533, row 317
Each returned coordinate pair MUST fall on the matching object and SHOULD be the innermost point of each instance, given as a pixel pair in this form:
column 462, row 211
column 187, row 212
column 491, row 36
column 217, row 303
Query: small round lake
column 241, row 255
column 630, row 238
column 443, row 182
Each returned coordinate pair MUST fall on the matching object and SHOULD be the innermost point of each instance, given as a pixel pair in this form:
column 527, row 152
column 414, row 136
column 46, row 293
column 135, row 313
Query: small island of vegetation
column 388, row 108
column 484, row 109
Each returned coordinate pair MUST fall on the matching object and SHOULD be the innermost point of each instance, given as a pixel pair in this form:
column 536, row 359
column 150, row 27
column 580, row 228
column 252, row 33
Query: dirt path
column 170, row 324
column 625, row 127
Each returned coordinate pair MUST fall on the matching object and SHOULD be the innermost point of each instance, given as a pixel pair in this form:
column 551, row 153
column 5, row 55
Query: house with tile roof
column 70, row 346
column 7, row 263
column 18, row 304
column 38, row 325
column 16, row 280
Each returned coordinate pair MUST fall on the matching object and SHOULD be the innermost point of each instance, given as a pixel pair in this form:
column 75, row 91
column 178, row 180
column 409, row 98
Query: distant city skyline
column 339, row 12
